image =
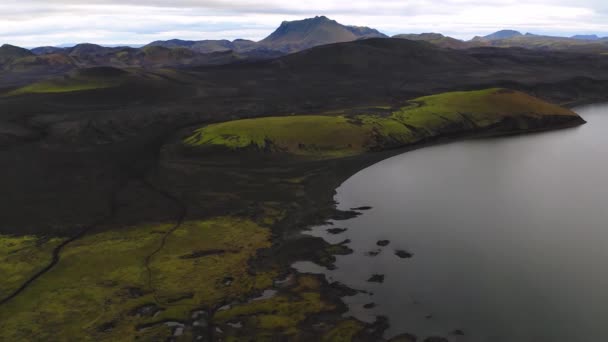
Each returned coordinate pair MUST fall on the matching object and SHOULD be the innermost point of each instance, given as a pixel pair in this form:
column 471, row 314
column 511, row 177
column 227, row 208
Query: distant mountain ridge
column 512, row 38
column 291, row 36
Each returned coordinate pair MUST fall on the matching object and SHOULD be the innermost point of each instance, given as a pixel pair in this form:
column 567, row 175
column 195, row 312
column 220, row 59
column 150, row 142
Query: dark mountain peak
column 86, row 49
column 8, row 48
column 303, row 34
column 47, row 50
column 10, row 52
column 503, row 34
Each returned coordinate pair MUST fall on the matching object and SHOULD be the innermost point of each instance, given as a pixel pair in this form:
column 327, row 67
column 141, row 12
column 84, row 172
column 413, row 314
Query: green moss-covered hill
column 77, row 80
column 449, row 114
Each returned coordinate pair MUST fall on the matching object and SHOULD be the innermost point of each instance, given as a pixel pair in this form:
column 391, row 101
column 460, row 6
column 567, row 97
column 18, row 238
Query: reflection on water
column 509, row 236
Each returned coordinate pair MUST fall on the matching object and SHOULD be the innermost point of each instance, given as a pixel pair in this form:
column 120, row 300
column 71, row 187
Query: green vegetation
column 281, row 314
column 305, row 135
column 64, row 86
column 331, row 136
column 21, row 257
column 77, row 80
column 94, row 291
column 344, row 331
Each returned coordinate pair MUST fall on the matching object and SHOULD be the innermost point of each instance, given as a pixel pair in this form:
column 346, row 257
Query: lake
column 509, row 237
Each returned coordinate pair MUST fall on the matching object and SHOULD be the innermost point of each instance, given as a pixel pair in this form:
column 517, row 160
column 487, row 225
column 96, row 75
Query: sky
column 31, row 23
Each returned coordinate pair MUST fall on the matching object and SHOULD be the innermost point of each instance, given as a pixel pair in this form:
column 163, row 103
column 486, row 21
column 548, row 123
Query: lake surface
column 509, row 236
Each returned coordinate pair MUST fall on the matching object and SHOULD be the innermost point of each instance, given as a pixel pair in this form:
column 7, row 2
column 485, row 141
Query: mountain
column 586, row 37
column 9, row 53
column 436, row 39
column 47, row 50
column 207, row 46
column 300, row 35
column 291, row 36
column 504, row 34
column 550, row 43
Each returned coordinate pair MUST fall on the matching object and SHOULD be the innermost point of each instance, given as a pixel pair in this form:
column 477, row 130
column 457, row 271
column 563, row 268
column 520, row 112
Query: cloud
column 52, row 22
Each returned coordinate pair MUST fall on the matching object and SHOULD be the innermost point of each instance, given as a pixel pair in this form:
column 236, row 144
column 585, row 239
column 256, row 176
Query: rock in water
column 376, row 278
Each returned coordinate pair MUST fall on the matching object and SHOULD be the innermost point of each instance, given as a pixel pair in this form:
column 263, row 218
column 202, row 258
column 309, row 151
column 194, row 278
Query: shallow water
column 509, row 236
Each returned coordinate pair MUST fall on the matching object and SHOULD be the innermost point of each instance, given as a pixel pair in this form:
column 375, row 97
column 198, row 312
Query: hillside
column 10, row 53
column 436, row 39
column 341, row 134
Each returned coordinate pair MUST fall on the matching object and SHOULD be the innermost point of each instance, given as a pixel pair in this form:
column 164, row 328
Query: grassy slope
column 80, row 80
column 336, row 136
column 21, row 257
column 91, row 285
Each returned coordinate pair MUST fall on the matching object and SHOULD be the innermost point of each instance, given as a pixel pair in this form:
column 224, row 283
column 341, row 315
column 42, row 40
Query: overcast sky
column 32, row 23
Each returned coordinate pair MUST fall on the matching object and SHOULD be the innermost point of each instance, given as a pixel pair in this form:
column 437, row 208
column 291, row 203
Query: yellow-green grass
column 64, row 86
column 304, row 135
column 330, row 136
column 483, row 108
column 344, row 331
column 281, row 314
column 93, row 283
column 21, row 257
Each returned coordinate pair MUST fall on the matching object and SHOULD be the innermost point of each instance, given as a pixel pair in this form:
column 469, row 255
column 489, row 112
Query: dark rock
column 343, row 290
column 376, row 278
column 147, row 310
column 436, row 339
column 336, row 231
column 369, row 306
column 458, row 332
column 228, row 281
column 403, row 254
column 179, row 298
column 135, row 292
column 404, row 338
column 383, row 243
column 373, row 253
column 200, row 254
column 428, row 316
column 344, row 215
column 107, row 327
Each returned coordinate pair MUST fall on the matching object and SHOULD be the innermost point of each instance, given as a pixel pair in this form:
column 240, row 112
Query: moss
column 101, row 279
column 344, row 331
column 79, row 80
column 476, row 108
column 63, row 86
column 280, row 315
column 21, row 257
column 329, row 136
column 300, row 135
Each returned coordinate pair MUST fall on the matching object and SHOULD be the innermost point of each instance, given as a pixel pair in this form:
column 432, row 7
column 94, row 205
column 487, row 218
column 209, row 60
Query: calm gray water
column 509, row 236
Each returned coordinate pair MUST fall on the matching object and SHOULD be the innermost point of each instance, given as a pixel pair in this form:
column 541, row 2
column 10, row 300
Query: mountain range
column 290, row 37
